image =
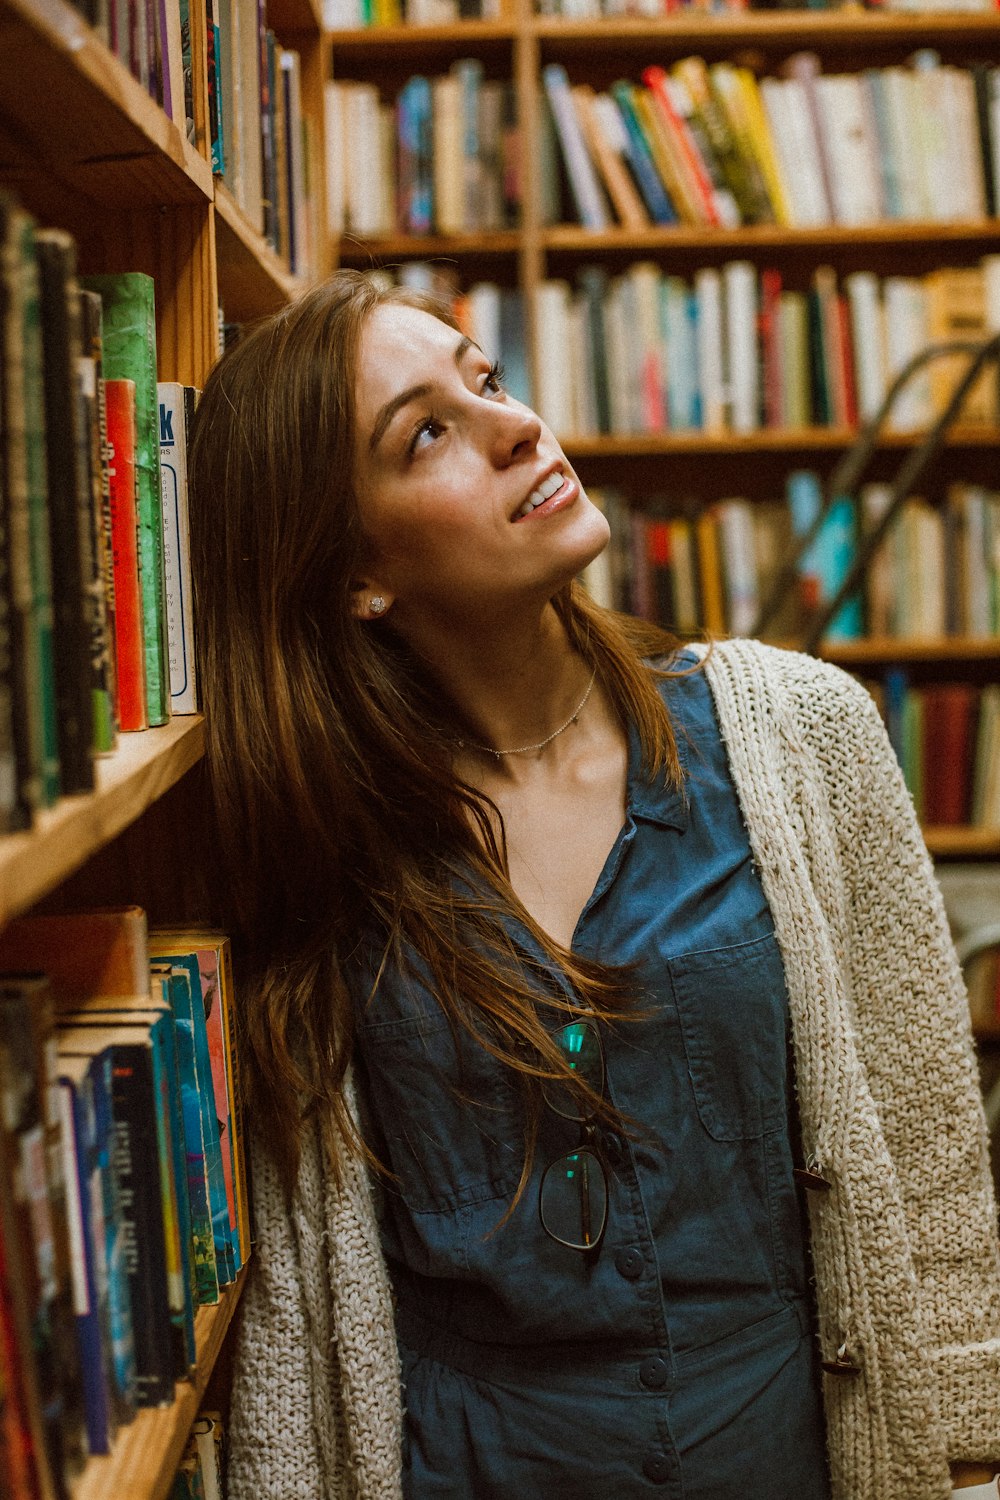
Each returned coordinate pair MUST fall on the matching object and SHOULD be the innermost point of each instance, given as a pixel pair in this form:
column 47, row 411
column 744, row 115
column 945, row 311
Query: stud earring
column 376, row 605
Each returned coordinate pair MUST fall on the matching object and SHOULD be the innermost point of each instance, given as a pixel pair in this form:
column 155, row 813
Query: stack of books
column 123, row 1185
column 714, row 147
column 339, row 15
column 443, row 157
column 96, row 633
column 737, row 350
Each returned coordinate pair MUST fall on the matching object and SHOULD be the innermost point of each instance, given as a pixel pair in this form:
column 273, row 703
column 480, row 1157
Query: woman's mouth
column 552, row 494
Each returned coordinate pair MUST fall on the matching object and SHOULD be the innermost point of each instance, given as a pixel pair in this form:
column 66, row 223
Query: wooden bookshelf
column 253, row 281
column 963, row 843
column 886, row 649
column 144, row 766
column 146, row 1453
column 474, row 247
column 572, row 239
column 72, row 110
column 762, row 440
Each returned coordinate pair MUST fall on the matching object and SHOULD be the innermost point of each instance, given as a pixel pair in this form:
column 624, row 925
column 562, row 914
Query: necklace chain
column 526, row 749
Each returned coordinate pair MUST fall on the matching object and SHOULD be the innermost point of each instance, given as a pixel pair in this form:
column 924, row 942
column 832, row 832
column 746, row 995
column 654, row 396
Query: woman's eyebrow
column 412, row 393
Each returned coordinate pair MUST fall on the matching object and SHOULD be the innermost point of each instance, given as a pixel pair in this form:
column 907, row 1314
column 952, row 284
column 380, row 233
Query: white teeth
column 544, row 492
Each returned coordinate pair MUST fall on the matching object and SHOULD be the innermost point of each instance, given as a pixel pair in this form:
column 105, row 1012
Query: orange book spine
column 129, row 648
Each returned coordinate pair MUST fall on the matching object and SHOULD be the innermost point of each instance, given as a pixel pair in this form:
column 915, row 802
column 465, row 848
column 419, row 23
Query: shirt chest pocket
column 449, row 1114
column 732, row 1006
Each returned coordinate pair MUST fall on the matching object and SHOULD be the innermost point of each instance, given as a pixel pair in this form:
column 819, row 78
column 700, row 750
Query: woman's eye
column 428, row 429
column 494, row 378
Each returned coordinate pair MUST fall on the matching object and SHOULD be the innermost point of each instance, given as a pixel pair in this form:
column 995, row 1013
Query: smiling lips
column 549, row 486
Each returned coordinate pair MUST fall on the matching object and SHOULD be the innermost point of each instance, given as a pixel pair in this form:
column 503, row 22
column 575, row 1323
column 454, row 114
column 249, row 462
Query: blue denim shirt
column 679, row 1361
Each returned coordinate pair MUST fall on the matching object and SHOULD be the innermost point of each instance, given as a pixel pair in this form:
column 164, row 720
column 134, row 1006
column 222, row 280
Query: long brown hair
column 338, row 806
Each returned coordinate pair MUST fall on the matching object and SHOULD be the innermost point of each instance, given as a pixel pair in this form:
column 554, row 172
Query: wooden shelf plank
column 286, row 16
column 146, row 1454
column 355, row 251
column 962, row 842
column 253, row 280
column 572, row 239
column 69, row 107
column 795, row 28
column 772, row 440
column 372, row 39
column 888, row 649
column 143, row 767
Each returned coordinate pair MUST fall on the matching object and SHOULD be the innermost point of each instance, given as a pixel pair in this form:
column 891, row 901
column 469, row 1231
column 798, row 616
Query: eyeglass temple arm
column 845, row 476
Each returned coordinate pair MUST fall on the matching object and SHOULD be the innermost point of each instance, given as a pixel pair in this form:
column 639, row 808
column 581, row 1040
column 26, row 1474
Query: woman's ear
column 369, row 602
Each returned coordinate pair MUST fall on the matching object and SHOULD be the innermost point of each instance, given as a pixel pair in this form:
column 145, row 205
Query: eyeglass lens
column 574, row 1200
column 580, row 1044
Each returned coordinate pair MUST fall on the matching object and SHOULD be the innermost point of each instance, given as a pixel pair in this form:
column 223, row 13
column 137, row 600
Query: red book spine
column 770, row 344
column 120, row 402
column 949, row 711
column 655, row 79
column 847, row 361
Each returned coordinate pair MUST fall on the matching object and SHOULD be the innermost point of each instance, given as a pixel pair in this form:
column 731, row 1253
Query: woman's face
column 447, row 470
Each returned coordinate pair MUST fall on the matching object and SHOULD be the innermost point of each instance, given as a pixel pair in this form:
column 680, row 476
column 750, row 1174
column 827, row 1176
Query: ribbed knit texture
column 904, row 1246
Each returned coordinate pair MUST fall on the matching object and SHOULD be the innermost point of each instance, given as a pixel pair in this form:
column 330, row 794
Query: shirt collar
column 653, row 798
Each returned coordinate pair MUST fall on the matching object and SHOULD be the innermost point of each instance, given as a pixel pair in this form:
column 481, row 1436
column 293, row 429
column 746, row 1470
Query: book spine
column 202, row 1239
column 136, row 1156
column 100, row 558
column 177, row 547
column 130, row 655
column 68, row 507
column 657, row 200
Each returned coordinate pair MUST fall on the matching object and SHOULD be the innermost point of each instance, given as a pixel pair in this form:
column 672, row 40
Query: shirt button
column 628, row 1263
column 653, row 1373
column 656, row 1466
column 614, row 1147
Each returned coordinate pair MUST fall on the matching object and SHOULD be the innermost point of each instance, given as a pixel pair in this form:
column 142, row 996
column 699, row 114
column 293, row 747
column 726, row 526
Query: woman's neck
column 514, row 686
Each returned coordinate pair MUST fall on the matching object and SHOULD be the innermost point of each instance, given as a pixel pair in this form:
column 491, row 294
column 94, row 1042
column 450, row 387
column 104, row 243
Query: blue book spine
column 657, row 200
column 804, row 495
column 872, row 81
column 896, row 689
column 218, row 1202
column 85, row 1216
column 837, row 548
column 119, row 1294
column 202, row 1236
column 415, row 161
column 172, row 1188
column 165, row 1038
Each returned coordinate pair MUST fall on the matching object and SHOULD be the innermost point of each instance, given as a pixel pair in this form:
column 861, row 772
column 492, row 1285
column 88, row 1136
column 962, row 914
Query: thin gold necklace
column 526, row 749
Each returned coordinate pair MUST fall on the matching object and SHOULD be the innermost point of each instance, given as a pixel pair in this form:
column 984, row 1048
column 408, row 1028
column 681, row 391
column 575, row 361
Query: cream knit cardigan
column 904, row 1246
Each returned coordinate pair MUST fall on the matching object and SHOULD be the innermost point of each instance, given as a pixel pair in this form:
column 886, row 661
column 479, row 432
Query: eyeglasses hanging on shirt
column 573, row 1195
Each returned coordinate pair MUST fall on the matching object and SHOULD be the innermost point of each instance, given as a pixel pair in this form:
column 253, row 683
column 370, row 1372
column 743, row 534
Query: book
column 83, row 953
column 176, row 405
column 166, row 948
column 156, row 1022
column 215, row 969
column 621, row 189
column 29, row 1093
column 67, row 466
column 26, row 484
column 100, row 592
column 137, row 1154
column 130, row 354
column 659, row 204
column 587, row 195
column 176, row 989
column 130, row 650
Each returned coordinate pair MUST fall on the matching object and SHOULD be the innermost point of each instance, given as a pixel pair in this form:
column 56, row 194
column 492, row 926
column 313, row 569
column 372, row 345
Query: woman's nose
column 516, row 433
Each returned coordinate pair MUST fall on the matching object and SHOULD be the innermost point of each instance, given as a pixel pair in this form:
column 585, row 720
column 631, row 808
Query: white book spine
column 484, row 307
column 801, row 148
column 333, row 120
column 341, row 15
column 739, row 565
column 906, row 149
column 582, row 402
column 580, row 168
column 854, row 169
column 708, row 291
column 739, row 279
column 906, row 334
column 178, row 594
column 868, row 335
column 552, row 304
column 616, row 350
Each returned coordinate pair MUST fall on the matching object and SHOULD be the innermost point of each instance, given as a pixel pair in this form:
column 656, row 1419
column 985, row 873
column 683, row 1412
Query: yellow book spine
column 760, row 136
column 710, row 572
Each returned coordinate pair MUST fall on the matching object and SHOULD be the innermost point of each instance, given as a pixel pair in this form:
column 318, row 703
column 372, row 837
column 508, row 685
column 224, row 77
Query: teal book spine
column 130, row 354
column 196, row 1174
column 119, row 1298
column 165, row 1051
column 837, row 547
column 211, row 1135
column 172, row 1189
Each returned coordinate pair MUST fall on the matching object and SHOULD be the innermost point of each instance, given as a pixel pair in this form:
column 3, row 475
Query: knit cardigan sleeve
column 913, row 1034
column 274, row 1447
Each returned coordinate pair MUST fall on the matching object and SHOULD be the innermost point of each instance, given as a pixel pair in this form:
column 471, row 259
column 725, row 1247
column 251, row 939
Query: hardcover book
column 130, row 354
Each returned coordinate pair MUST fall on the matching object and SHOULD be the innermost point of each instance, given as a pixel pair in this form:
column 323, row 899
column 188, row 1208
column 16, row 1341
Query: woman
column 528, row 920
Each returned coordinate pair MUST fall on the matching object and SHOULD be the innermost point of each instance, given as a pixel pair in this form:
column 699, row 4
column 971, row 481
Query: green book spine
column 130, row 354
column 38, row 511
